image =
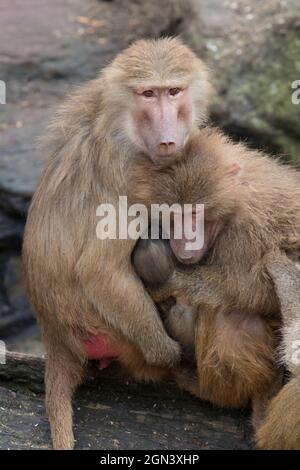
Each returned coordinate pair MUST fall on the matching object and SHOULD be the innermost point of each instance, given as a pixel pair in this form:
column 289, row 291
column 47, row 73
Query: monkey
column 280, row 429
column 87, row 298
column 154, row 262
column 252, row 206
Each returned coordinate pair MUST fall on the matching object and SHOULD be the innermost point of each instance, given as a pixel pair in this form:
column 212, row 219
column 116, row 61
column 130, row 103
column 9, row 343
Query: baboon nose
column 167, row 148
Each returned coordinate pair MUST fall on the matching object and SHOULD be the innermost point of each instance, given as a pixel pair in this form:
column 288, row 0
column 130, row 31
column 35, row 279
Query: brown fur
column 235, row 357
column 238, row 307
column 281, row 427
column 77, row 284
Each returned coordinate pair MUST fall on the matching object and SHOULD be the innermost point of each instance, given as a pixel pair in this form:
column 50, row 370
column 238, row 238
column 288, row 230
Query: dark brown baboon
column 87, row 298
column 252, row 206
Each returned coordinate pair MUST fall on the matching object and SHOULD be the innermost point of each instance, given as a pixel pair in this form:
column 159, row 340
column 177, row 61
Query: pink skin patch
column 178, row 246
column 98, row 347
column 162, row 120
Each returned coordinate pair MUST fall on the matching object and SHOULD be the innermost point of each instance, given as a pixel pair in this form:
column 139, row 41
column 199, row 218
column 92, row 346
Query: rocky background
column 252, row 47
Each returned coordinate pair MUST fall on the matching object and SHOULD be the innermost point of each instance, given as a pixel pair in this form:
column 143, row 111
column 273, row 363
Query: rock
column 15, row 312
column 253, row 48
column 11, row 232
column 28, row 340
column 20, row 165
column 17, row 325
column 258, row 97
column 255, row 55
column 113, row 413
column 41, row 59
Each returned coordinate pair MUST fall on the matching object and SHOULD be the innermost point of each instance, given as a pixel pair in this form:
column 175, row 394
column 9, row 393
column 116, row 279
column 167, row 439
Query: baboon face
column 179, row 245
column 199, row 192
column 162, row 118
column 155, row 93
column 210, row 182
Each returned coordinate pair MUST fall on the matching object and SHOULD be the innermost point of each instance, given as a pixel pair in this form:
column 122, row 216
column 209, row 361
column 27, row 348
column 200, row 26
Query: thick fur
column 80, row 285
column 261, row 209
column 235, row 358
column 281, row 427
column 238, row 306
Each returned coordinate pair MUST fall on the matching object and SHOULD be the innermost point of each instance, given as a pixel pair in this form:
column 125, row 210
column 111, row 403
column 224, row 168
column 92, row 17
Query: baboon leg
column 286, row 278
column 134, row 315
column 261, row 401
column 235, row 355
column 64, row 372
column 281, row 428
column 187, row 380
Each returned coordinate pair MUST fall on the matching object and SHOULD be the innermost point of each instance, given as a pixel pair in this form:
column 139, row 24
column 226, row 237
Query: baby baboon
column 252, row 206
column 143, row 105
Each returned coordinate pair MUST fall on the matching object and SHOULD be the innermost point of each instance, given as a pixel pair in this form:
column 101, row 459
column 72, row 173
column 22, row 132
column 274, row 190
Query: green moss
column 260, row 96
column 290, row 148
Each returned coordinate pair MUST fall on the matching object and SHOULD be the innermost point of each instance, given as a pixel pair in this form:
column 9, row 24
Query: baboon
column 87, row 298
column 280, row 430
column 252, row 207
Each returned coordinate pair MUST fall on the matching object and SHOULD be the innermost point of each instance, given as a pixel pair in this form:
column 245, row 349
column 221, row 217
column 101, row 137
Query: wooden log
column 111, row 412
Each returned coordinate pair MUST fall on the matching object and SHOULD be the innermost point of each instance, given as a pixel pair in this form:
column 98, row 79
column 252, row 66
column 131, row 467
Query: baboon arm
column 199, row 285
column 261, row 400
column 286, row 278
column 280, row 429
column 123, row 303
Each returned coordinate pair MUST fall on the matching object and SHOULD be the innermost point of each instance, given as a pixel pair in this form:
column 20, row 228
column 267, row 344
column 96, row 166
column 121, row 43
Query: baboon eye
column 174, row 91
column 148, row 93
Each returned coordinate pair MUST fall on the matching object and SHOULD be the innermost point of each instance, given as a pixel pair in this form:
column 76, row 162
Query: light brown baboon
column 280, row 429
column 252, row 206
column 87, row 298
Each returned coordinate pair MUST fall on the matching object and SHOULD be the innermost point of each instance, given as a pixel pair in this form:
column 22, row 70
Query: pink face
column 212, row 227
column 211, row 230
column 162, row 119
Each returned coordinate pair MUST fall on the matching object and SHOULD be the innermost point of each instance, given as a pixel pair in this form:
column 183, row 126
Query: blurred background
column 252, row 47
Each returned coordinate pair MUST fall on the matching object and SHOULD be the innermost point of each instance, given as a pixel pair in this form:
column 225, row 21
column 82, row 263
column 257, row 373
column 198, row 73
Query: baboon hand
column 276, row 262
column 167, row 355
column 280, row 429
column 171, row 288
